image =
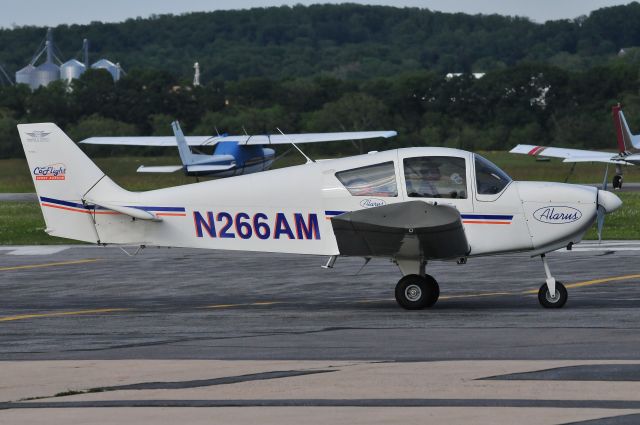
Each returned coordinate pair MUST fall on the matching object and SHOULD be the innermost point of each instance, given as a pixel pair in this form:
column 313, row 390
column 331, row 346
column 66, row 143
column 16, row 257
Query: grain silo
column 71, row 69
column 25, row 75
column 112, row 68
column 42, row 75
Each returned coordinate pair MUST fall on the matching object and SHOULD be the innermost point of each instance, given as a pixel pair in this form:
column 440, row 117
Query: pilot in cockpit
column 435, row 177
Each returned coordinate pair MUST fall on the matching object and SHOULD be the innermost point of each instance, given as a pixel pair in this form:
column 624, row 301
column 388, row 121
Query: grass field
column 15, row 176
column 21, row 223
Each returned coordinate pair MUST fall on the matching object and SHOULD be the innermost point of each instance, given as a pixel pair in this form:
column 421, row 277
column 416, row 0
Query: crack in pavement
column 178, row 385
column 591, row 372
column 416, row 402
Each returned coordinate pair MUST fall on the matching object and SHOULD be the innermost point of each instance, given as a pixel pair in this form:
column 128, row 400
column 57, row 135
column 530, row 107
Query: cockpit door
column 438, row 179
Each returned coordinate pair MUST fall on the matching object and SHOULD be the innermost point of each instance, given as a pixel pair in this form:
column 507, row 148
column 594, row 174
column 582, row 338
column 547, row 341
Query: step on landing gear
column 551, row 286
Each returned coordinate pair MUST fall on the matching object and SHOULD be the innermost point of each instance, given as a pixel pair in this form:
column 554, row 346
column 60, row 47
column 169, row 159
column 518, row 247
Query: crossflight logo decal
column 50, row 172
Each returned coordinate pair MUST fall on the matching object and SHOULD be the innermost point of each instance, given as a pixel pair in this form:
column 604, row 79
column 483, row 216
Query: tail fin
column 625, row 138
column 62, row 175
column 186, row 155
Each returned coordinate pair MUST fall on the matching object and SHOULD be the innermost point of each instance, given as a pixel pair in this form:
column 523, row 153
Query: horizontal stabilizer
column 159, row 169
column 261, row 139
column 130, row 211
column 209, row 168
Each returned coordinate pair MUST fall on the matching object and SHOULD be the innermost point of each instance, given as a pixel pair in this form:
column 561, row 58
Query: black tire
column 617, row 181
column 415, row 292
column 544, row 297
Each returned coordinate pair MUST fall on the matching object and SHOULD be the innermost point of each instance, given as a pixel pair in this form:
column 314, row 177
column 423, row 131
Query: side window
column 436, row 177
column 490, row 179
column 372, row 180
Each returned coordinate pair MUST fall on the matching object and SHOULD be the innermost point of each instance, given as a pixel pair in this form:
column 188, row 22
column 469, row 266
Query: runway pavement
column 245, row 329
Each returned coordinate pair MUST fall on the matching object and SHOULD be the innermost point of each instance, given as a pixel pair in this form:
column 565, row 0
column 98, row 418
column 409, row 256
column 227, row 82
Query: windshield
column 490, row 179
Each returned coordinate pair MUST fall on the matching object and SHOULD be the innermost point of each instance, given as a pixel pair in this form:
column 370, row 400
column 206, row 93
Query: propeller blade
column 604, row 182
column 600, row 221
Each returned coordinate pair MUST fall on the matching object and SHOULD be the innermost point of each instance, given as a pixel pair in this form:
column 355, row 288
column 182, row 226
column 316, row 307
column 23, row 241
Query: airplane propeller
column 607, row 203
column 600, row 221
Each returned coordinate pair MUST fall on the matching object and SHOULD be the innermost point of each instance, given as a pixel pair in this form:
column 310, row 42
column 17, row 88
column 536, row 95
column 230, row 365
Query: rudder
column 62, row 174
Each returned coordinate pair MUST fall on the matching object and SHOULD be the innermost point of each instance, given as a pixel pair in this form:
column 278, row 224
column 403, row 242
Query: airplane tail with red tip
column 626, row 139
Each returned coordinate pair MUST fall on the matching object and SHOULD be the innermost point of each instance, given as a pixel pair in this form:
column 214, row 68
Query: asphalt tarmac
column 87, row 302
column 94, row 335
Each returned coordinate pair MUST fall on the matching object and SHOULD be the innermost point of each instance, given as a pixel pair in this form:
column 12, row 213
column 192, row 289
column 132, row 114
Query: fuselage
column 290, row 210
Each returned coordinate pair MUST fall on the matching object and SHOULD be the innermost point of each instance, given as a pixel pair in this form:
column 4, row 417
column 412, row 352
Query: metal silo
column 25, row 75
column 109, row 66
column 45, row 74
column 71, row 69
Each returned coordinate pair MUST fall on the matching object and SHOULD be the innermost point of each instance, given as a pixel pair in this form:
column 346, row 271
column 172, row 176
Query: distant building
column 43, row 74
column 113, row 68
column 477, row 75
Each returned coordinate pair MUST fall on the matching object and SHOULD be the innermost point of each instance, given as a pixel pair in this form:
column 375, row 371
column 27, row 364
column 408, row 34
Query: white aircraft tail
column 626, row 139
column 186, row 155
column 63, row 175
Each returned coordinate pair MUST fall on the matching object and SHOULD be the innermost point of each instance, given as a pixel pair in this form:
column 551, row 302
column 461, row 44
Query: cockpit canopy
column 440, row 176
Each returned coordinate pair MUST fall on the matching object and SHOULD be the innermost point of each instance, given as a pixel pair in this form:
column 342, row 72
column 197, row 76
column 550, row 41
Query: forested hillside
column 341, row 68
column 345, row 41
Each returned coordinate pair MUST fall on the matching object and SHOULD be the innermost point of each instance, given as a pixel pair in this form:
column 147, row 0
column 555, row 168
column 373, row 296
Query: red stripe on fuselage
column 44, row 204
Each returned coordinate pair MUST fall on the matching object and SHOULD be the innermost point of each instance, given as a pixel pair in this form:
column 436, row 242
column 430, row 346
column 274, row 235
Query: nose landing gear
column 617, row 181
column 552, row 293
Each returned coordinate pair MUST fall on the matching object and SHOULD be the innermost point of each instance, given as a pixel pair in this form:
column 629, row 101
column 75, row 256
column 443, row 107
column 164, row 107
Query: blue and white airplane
column 233, row 155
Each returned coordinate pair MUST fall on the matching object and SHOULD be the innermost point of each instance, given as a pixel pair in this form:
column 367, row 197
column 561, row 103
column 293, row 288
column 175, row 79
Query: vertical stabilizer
column 625, row 138
column 62, row 174
column 183, row 148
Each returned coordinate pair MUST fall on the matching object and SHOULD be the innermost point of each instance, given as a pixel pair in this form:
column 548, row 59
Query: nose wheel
column 551, row 286
column 415, row 292
column 557, row 301
column 617, row 181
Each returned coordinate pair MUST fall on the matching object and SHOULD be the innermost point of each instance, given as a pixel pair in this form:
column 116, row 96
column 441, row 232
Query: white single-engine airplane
column 233, row 155
column 412, row 205
column 624, row 156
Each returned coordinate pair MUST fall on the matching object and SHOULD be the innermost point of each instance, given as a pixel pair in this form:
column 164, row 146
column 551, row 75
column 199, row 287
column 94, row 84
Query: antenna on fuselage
column 296, row 146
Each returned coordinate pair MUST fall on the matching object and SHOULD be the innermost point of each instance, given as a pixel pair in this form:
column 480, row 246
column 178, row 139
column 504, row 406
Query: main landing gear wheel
column 617, row 181
column 547, row 301
column 415, row 292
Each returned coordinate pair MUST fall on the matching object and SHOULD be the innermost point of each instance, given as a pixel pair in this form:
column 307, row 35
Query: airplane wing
column 405, row 229
column 569, row 155
column 263, row 139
